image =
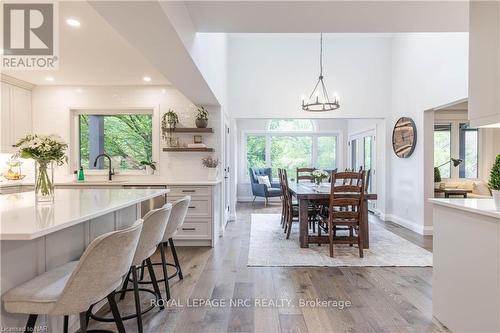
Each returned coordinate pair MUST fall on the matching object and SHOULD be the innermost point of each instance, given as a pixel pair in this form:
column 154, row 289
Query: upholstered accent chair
column 263, row 190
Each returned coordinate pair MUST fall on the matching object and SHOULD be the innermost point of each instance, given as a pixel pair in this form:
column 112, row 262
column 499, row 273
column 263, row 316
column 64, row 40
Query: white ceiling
column 329, row 16
column 93, row 54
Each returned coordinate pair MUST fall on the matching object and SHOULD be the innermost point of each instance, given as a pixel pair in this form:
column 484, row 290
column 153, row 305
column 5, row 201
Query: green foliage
column 169, row 120
column 202, row 113
column 127, row 138
column 495, row 175
column 256, row 151
column 150, row 164
column 442, row 150
column 437, row 175
column 291, row 125
column 290, row 153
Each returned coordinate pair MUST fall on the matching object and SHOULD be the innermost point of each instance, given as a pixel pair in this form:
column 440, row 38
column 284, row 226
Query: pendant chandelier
column 319, row 101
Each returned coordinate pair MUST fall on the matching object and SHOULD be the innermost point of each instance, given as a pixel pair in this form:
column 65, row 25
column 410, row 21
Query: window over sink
column 128, row 137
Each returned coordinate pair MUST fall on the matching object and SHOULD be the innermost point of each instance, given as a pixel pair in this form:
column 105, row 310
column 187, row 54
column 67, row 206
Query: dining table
column 307, row 193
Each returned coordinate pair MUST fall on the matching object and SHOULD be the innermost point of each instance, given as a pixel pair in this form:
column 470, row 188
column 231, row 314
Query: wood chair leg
column 289, row 229
column 116, row 313
column 331, row 231
column 30, row 325
column 125, row 284
column 165, row 273
column 351, row 234
column 176, row 259
column 83, row 322
column 137, row 300
column 360, row 244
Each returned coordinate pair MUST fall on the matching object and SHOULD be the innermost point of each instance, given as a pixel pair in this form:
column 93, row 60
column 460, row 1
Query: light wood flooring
column 383, row 299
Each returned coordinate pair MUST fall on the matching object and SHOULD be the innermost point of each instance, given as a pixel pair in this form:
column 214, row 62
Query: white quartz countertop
column 22, row 219
column 478, row 206
column 120, row 182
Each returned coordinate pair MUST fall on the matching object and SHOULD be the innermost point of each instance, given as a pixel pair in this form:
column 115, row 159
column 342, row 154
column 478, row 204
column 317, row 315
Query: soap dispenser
column 81, row 175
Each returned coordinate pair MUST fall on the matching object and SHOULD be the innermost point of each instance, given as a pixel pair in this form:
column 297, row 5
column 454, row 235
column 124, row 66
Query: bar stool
column 155, row 222
column 177, row 217
column 66, row 290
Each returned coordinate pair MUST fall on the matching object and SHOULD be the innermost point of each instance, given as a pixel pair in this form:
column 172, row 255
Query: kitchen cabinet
column 15, row 119
column 484, row 63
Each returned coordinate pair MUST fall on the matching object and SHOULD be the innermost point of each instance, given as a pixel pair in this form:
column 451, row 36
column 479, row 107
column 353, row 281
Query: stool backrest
column 100, row 270
column 179, row 211
column 155, row 222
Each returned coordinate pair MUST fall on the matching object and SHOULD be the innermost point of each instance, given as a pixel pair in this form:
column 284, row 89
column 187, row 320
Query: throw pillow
column 264, row 180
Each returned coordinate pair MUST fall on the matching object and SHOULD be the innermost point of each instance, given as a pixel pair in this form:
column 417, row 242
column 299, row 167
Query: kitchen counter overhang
column 22, row 219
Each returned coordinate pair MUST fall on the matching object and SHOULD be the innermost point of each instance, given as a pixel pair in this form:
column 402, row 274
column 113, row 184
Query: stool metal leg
column 30, row 325
column 137, row 300
column 143, row 267
column 165, row 274
column 83, row 322
column 152, row 275
column 125, row 284
column 65, row 324
column 116, row 312
column 176, row 260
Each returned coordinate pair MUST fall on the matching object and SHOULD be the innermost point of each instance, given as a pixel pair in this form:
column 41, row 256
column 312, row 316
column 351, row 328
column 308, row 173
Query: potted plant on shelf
column 212, row 164
column 202, row 117
column 45, row 150
column 150, row 166
column 168, row 123
column 437, row 178
column 495, row 182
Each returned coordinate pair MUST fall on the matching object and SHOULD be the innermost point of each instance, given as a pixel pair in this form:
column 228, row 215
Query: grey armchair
column 262, row 190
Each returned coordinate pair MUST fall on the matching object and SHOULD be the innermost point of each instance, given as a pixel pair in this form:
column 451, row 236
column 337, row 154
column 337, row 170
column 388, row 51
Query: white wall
column 268, row 74
column 428, row 70
column 51, row 114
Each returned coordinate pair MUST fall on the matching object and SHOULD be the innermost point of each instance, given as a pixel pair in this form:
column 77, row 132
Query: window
column 291, row 144
column 290, row 153
column 442, row 149
column 469, row 146
column 126, row 138
column 291, row 125
column 256, row 151
column 327, row 152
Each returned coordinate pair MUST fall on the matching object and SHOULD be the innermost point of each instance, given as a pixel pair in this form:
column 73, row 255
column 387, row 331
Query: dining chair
column 345, row 209
column 292, row 210
column 283, row 201
column 305, row 174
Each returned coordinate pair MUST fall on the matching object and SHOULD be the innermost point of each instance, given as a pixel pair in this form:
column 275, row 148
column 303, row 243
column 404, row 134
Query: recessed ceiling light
column 49, row 78
column 73, row 22
column 146, row 79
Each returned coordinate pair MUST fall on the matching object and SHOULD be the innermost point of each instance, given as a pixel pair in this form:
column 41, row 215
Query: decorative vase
column 496, row 199
column 201, row 123
column 212, row 173
column 44, row 181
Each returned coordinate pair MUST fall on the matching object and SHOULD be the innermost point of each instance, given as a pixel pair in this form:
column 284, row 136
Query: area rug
column 269, row 247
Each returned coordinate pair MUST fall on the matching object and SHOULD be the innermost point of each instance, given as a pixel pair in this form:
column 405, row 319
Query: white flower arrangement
column 319, row 176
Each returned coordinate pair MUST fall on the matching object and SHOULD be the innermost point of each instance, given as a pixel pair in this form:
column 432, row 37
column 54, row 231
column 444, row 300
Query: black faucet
column 111, row 172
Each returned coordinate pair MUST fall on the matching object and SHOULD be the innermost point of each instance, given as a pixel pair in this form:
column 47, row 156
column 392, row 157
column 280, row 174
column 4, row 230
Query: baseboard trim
column 418, row 228
column 258, row 199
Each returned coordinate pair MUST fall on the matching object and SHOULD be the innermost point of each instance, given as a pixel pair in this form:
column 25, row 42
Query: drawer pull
column 189, row 229
column 188, row 191
column 193, row 207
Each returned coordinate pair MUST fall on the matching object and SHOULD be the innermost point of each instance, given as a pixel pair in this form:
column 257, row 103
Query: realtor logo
column 29, row 36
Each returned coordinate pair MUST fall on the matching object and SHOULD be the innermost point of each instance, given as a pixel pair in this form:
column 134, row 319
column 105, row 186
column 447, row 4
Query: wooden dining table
column 307, row 193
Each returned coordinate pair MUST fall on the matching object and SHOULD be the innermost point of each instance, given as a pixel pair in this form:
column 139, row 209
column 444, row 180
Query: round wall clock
column 404, row 137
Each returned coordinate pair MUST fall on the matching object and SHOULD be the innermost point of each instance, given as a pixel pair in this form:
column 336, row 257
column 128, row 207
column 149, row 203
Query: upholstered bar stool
column 73, row 287
column 176, row 220
column 155, row 222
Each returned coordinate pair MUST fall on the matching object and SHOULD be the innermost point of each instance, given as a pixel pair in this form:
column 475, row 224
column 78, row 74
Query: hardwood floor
column 382, row 299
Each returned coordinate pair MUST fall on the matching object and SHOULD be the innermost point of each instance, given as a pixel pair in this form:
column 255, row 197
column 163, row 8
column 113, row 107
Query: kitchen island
column 37, row 238
column 466, row 273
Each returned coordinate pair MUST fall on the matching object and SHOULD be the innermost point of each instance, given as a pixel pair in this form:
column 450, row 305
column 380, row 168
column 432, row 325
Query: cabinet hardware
column 188, row 191
column 189, row 229
column 193, row 207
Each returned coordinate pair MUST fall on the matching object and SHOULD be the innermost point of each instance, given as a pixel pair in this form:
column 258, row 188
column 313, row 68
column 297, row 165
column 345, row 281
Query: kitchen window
column 126, row 136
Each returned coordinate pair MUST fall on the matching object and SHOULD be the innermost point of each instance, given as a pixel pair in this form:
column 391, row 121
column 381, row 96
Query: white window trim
column 74, row 160
column 268, row 134
column 455, row 149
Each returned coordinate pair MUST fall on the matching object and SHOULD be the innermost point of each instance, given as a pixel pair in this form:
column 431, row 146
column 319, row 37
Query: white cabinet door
column 15, row 116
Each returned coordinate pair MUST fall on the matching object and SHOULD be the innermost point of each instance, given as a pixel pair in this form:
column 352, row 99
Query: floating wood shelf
column 201, row 150
column 193, row 130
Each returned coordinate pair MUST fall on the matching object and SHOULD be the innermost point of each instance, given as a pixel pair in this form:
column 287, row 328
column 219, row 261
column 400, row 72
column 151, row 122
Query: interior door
column 362, row 153
column 227, row 173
